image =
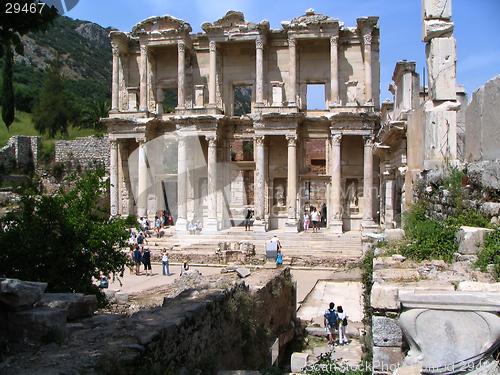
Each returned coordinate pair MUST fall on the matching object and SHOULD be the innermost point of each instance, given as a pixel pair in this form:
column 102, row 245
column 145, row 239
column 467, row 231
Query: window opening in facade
column 242, row 100
column 315, row 96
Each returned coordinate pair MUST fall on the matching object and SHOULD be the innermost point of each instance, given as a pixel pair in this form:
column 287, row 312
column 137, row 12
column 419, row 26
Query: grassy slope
column 23, row 125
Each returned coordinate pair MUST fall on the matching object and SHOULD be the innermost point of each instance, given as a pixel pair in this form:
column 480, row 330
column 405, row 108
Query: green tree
column 55, row 109
column 92, row 115
column 66, row 239
column 15, row 22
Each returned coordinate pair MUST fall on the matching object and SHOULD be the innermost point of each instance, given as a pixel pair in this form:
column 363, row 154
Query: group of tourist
column 315, row 217
column 162, row 221
column 195, row 228
column 335, row 319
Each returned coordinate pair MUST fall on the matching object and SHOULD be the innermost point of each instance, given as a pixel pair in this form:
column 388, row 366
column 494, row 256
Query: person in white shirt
column 342, row 328
column 315, row 218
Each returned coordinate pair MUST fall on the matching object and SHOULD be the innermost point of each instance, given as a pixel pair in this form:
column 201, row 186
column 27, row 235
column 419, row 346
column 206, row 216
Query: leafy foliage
column 93, row 113
column 490, row 253
column 325, row 365
column 55, row 110
column 66, row 240
column 8, row 111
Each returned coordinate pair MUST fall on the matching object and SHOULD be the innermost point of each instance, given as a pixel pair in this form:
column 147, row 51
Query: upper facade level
column 237, row 67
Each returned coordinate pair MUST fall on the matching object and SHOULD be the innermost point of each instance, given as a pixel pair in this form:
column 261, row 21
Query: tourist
column 198, row 227
column 132, row 240
column 342, row 318
column 164, row 261
column 248, row 216
column 184, row 267
column 191, row 228
column 146, row 259
column 157, row 226
column 140, row 240
column 330, row 320
column 131, row 260
column 137, row 260
column 315, row 217
column 279, row 259
column 323, row 213
column 144, row 224
column 307, row 221
column 162, row 219
column 276, row 240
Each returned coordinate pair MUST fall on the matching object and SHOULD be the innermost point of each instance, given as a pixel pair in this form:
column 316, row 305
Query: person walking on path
column 248, row 217
column 330, row 320
column 342, row 318
column 164, row 261
column 146, row 259
column 279, row 259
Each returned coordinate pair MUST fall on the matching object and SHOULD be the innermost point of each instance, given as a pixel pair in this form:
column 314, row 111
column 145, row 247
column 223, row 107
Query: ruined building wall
column 20, row 150
column 86, row 152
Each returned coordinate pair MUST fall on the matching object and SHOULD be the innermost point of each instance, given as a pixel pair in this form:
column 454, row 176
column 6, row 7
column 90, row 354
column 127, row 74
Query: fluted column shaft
column 181, row 224
column 212, row 94
column 259, row 70
column 334, row 70
column 337, row 207
column 142, row 188
column 115, row 89
column 259, row 178
column 143, row 79
column 291, row 195
column 113, row 177
column 368, row 67
column 181, row 75
column 212, row 179
column 368, row 180
column 292, row 92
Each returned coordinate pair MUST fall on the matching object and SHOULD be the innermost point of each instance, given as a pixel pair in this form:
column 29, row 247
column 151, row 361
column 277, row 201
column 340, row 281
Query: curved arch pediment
column 163, row 24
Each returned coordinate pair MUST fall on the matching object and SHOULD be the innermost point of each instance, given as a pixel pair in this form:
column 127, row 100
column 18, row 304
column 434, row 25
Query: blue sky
column 476, row 26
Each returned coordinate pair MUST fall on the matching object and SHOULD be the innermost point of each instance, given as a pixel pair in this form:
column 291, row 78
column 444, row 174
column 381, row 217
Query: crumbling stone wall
column 20, row 151
column 88, row 152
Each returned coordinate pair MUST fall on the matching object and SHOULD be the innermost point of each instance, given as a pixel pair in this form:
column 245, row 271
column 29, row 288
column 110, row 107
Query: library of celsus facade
column 240, row 133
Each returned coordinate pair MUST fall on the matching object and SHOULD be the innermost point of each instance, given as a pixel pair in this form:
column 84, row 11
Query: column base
column 259, row 226
column 181, row 225
column 369, row 226
column 211, row 226
column 291, row 226
column 336, row 227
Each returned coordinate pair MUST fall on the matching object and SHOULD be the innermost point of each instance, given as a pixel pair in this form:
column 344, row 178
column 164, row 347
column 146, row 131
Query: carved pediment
column 310, row 19
column 234, row 21
column 163, row 24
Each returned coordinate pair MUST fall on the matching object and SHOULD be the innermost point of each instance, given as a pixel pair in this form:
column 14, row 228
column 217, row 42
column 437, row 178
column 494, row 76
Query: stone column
column 259, row 70
column 115, row 91
column 337, row 208
column 211, row 225
column 389, row 200
column 260, row 186
column 292, row 91
column 334, row 71
column 142, row 171
column 212, row 89
column 143, row 79
column 291, row 192
column 368, row 183
column 124, row 191
column 113, row 177
column 367, row 39
column 181, row 223
column 181, row 75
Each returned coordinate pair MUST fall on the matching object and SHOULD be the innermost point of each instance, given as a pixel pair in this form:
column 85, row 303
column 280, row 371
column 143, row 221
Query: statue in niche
column 204, row 193
column 352, row 199
column 280, row 195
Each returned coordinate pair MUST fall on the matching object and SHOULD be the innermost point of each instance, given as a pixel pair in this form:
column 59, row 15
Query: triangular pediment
column 234, row 21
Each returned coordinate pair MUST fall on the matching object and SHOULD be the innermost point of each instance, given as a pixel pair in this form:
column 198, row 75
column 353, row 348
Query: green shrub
column 490, row 253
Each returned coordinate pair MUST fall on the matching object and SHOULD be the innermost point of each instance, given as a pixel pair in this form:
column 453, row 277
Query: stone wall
column 88, row 152
column 20, row 151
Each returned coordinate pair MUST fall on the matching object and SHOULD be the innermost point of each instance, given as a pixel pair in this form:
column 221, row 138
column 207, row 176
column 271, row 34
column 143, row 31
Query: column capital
column 114, row 143
column 334, row 40
column 368, row 140
column 292, row 41
column 144, row 49
column 116, row 50
column 367, row 38
column 212, row 46
column 259, row 42
column 259, row 140
column 212, row 140
column 141, row 140
column 181, row 46
column 292, row 139
column 336, row 139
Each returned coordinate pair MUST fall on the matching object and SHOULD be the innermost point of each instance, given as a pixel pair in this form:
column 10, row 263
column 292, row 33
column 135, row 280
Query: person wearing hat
column 184, row 267
column 276, row 240
column 146, row 259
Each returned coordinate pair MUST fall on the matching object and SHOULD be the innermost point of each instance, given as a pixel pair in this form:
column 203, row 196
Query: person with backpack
column 137, row 260
column 342, row 323
column 330, row 320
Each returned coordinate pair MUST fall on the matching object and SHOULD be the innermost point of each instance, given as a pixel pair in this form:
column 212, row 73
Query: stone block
column 76, row 305
column 386, row 332
column 436, row 9
column 35, row 325
column 436, row 29
column 385, row 296
column 473, row 286
column 395, row 234
column 387, row 358
column 298, row 361
column 19, row 295
column 441, row 56
column 486, row 173
column 490, row 209
column 469, row 238
column 243, row 272
column 398, row 274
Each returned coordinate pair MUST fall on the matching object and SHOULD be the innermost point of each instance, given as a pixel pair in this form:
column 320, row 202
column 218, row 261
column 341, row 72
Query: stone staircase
column 299, row 249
